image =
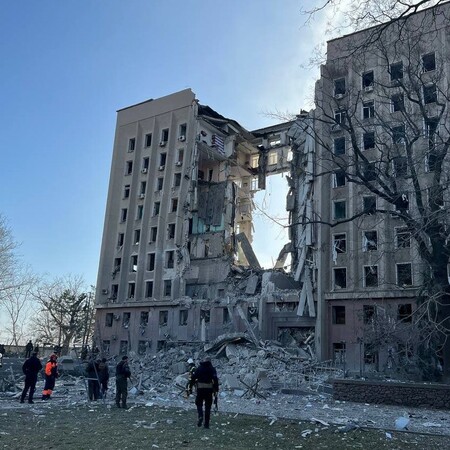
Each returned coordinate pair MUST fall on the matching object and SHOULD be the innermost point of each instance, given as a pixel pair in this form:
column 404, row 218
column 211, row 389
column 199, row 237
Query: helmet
column 190, row 361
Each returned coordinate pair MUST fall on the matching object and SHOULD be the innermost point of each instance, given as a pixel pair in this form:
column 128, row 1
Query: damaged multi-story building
column 177, row 263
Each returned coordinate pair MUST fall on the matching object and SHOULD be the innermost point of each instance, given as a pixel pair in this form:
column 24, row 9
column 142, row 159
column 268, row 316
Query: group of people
column 97, row 374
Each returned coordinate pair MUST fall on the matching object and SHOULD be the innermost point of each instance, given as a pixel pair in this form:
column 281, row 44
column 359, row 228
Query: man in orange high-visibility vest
column 51, row 374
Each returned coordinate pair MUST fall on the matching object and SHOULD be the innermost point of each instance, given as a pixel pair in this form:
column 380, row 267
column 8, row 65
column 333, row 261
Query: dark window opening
column 403, row 238
column 368, row 109
column 398, row 102
column 370, row 172
column 338, row 313
column 368, row 79
column 340, row 278
column 205, row 314
column 167, row 288
column 396, row 71
column 429, row 62
column 149, row 289
column 131, row 144
column 370, row 204
column 369, row 140
column 144, row 318
column 340, row 210
column 131, row 290
column 109, row 319
column 369, row 314
column 148, row 139
column 430, row 94
column 163, row 318
column 151, row 262
column 340, row 243
column 404, row 275
column 339, row 146
column 339, row 87
column 370, row 276
column 183, row 319
column 370, row 241
column 339, row 178
column 404, row 312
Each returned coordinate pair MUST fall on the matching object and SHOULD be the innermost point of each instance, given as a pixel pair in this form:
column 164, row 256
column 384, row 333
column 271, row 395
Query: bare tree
column 8, row 259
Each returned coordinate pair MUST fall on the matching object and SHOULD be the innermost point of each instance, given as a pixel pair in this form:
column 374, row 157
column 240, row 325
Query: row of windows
column 150, row 265
column 396, row 72
column 182, row 130
column 404, row 313
column 159, row 183
column 155, row 212
column 152, row 238
column 145, row 165
column 371, row 278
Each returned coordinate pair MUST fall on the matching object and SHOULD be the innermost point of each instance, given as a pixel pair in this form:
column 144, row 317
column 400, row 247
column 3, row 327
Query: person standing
column 31, row 367
column 51, row 374
column 123, row 372
column 191, row 370
column 93, row 379
column 205, row 377
column 103, row 376
column 28, row 349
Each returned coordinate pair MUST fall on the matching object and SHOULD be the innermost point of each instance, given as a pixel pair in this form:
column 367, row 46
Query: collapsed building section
column 177, row 263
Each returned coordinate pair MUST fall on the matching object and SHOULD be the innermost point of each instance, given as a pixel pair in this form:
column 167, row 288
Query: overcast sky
column 67, row 66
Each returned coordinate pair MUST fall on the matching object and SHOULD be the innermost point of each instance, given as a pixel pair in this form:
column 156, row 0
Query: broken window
column 142, row 347
column 174, row 206
column 133, row 263
column 399, row 134
column 182, row 132
column 142, row 189
column 339, row 209
column 404, row 312
column 338, row 315
column 148, row 139
column 396, row 71
column 370, row 241
column 429, row 62
column 183, row 318
column 120, row 239
column 180, row 157
column 400, row 164
column 128, row 167
column 171, row 231
column 106, row 345
column 159, row 183
column 167, row 288
column 225, row 316
column 339, row 178
column 153, row 234
column 339, row 356
column 123, row 348
column 339, row 87
column 402, row 202
column 370, row 204
column 123, row 214
column 144, row 319
column 165, row 135
column 404, row 275
column 137, row 237
column 162, row 161
column 131, row 289
column 131, row 144
column 148, row 289
column 368, row 80
column 370, row 276
column 205, row 314
column 145, row 165
column 369, row 171
column 117, row 264
column 339, row 116
column 114, row 291
column 397, row 103
column 368, row 109
column 340, row 243
column 139, row 212
column 176, row 179
column 273, row 158
column 339, row 146
column 126, row 191
column 156, row 208
column 402, row 238
column 150, row 261
column 369, row 314
column 429, row 94
column 370, row 354
column 109, row 319
column 170, row 259
column 340, row 278
column 163, row 318
column 126, row 319
column 369, row 140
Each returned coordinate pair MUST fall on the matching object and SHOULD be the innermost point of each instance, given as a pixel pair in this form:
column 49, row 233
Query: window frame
column 397, row 273
column 367, row 268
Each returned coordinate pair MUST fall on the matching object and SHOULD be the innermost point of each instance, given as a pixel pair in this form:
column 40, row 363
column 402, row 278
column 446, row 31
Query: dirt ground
column 97, row 425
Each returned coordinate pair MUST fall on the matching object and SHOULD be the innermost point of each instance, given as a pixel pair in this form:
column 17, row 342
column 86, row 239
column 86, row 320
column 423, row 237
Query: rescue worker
column 28, row 349
column 205, row 377
column 103, row 376
column 93, row 381
column 191, row 370
column 51, row 374
column 123, row 372
column 31, row 367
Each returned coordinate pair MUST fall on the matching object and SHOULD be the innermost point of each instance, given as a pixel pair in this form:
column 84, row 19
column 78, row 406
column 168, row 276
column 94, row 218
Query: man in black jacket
column 31, row 367
column 207, row 384
column 123, row 372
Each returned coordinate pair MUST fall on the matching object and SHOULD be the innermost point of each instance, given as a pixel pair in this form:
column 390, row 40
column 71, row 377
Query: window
column 182, row 132
column 273, row 158
column 398, row 134
column 159, row 183
column 174, row 206
column 339, row 116
column 176, row 179
column 396, row 71
column 133, row 263
column 114, row 291
column 400, row 164
column 340, row 243
column 148, row 289
column 128, row 167
column 170, row 259
column 183, row 317
column 369, row 314
column 109, row 319
column 120, row 239
column 148, row 140
column 144, row 319
column 402, row 238
column 131, row 290
column 339, row 209
column 139, row 212
column 143, row 188
column 180, row 157
column 156, row 208
column 370, row 354
column 338, row 315
column 137, row 237
column 368, row 79
column 370, row 276
column 205, row 314
column 142, row 347
column 123, row 214
column 338, row 178
column 369, row 140
column 404, row 312
column 225, row 316
column 163, row 318
column 402, row 202
column 145, row 165
column 131, row 144
column 170, row 231
column 370, row 241
column 429, row 94
column 153, row 234
column 167, row 288
column 431, row 129
column 150, row 261
column 368, row 109
column 126, row 191
column 369, row 171
column 165, row 135
column 339, row 146
column 117, row 265
column 106, row 344
column 254, row 184
column 340, row 278
column 397, row 103
column 429, row 62
column 339, row 87
column 162, row 161
column 404, row 275
column 123, row 349
column 370, row 204
column 339, row 356
column 126, row 320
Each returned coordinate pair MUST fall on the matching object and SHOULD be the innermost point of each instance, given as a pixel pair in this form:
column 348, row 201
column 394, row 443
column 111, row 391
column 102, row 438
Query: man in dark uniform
column 28, row 349
column 123, row 372
column 31, row 367
column 205, row 377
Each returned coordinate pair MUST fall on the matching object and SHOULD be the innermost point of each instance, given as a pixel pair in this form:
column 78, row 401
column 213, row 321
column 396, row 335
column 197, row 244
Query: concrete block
column 231, row 381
